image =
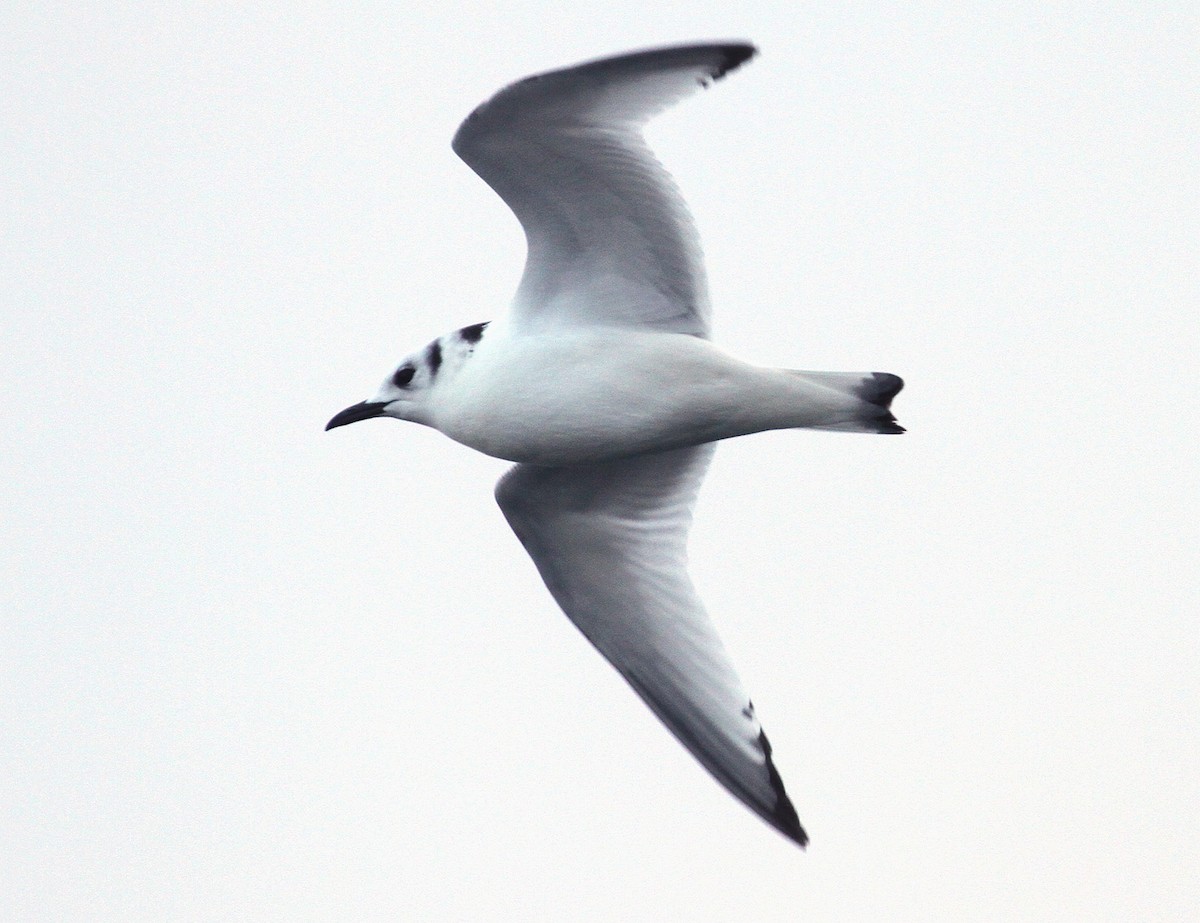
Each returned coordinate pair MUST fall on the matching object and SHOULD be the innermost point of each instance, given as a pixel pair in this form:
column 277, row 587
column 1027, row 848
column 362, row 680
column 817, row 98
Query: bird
column 602, row 384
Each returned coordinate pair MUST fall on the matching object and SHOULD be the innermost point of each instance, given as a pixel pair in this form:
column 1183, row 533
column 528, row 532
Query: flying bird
column 602, row 384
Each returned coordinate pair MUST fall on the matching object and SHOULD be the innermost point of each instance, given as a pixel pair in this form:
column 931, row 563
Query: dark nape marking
column 433, row 357
column 404, row 375
column 474, row 333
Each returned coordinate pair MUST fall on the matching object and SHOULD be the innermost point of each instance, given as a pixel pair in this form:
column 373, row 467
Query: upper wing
column 610, row 542
column 610, row 238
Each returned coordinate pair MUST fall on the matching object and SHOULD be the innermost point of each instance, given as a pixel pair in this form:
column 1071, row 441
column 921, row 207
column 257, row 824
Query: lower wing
column 610, row 541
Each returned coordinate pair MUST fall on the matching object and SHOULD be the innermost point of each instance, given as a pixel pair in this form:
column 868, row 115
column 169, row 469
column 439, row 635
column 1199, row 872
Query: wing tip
column 733, row 56
column 783, row 817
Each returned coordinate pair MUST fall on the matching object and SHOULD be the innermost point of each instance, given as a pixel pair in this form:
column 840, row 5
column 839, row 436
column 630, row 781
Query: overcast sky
column 252, row 670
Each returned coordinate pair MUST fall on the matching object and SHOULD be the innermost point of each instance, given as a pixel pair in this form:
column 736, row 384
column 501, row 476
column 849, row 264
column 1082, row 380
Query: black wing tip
column 787, row 823
column 783, row 817
column 733, row 56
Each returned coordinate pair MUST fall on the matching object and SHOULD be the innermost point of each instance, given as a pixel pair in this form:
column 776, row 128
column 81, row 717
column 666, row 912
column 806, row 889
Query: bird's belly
column 555, row 409
column 558, row 432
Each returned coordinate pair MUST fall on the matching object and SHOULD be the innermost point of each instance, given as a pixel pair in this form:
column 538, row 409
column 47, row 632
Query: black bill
column 361, row 411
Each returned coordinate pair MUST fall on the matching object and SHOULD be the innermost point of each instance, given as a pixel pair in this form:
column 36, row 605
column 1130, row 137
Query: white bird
column 601, row 383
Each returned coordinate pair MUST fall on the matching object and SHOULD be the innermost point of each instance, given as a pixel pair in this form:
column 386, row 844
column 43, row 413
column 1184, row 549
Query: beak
column 362, row 411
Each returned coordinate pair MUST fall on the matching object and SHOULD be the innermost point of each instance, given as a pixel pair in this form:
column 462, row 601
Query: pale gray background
column 255, row 671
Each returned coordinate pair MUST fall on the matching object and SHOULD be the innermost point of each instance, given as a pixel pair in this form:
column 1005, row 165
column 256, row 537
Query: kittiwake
column 601, row 383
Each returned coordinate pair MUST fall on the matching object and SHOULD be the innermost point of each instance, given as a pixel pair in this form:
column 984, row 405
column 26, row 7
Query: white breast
column 599, row 394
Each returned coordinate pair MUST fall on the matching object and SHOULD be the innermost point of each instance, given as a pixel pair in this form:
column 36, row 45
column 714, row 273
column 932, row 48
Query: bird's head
column 405, row 393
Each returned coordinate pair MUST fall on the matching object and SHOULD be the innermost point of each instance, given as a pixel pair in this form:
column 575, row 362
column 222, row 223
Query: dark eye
column 403, row 376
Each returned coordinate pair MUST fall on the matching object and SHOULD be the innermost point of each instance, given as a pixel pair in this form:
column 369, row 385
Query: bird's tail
column 871, row 413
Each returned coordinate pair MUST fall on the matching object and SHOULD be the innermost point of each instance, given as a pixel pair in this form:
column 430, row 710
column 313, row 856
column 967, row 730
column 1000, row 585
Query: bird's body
column 568, row 398
column 601, row 383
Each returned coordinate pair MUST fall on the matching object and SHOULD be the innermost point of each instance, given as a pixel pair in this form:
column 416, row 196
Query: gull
column 602, row 384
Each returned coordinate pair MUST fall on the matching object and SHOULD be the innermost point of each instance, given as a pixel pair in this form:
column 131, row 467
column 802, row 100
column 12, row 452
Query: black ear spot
column 433, row 358
column 403, row 376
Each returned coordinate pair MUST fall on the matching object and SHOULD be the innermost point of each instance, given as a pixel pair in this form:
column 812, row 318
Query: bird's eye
column 403, row 376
